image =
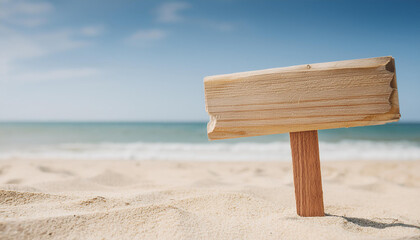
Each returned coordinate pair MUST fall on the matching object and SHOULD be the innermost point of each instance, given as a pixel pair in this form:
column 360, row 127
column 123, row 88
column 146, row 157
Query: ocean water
column 188, row 141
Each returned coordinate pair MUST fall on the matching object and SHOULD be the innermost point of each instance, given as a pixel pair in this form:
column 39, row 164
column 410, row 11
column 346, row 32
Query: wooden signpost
column 301, row 100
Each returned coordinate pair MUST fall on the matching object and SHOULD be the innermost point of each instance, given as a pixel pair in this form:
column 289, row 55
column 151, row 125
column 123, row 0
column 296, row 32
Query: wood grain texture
column 307, row 173
column 301, row 98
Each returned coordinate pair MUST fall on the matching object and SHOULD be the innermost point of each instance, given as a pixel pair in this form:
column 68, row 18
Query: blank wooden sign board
column 301, row 100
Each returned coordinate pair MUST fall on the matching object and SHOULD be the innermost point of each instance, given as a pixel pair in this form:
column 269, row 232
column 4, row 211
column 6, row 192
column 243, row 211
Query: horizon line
column 146, row 121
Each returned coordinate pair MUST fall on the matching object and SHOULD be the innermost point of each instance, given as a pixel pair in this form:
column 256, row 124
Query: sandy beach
column 46, row 199
column 190, row 120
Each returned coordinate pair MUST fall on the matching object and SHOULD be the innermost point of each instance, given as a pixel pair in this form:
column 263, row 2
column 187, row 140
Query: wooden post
column 307, row 173
column 301, row 100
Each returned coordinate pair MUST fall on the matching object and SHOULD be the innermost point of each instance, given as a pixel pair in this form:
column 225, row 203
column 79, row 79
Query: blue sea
column 188, row 141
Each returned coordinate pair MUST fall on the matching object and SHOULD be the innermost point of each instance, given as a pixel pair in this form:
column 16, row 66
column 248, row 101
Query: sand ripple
column 185, row 200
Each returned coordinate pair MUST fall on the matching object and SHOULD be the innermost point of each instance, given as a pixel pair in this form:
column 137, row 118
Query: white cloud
column 170, row 12
column 31, row 7
column 58, row 41
column 53, row 75
column 147, row 36
column 32, row 22
column 16, row 46
column 92, row 31
column 29, row 14
column 221, row 26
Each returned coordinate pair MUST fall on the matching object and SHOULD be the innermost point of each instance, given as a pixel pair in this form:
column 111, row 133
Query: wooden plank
column 302, row 98
column 307, row 173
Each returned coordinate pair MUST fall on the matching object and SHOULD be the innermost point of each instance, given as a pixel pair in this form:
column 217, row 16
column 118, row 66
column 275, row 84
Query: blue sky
column 132, row 60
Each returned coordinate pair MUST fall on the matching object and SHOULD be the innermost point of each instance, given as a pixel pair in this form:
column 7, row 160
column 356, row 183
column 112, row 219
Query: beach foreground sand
column 204, row 200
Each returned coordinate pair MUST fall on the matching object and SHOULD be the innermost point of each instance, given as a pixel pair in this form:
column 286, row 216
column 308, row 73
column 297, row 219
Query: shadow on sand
column 363, row 222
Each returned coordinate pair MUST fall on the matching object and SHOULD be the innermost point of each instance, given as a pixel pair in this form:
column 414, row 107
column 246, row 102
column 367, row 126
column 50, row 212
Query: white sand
column 195, row 200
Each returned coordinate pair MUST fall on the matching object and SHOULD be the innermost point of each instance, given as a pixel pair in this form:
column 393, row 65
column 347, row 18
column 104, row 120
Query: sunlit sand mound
column 209, row 200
